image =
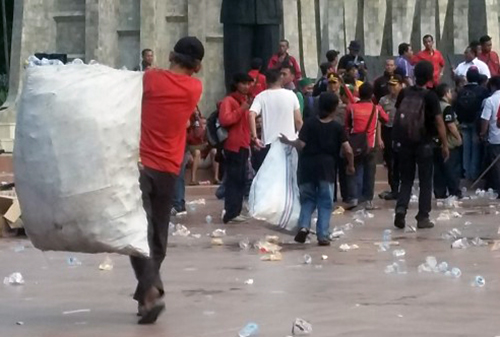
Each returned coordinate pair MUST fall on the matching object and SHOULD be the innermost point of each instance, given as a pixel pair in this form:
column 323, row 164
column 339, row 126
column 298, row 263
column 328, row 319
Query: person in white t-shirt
column 280, row 111
column 471, row 59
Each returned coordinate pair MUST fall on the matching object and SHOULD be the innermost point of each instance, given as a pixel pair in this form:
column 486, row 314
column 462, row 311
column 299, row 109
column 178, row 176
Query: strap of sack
column 371, row 118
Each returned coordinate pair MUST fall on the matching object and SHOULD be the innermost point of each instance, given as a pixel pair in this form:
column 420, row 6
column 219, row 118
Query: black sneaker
column 323, row 242
column 391, row 196
column 399, row 221
column 384, row 195
column 426, row 223
column 302, row 235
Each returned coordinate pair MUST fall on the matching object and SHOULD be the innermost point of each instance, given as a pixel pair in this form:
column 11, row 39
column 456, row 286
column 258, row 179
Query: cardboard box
column 10, row 214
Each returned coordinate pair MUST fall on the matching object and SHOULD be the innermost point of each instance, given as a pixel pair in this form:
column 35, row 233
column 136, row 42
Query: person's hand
column 381, row 145
column 350, row 170
column 445, row 153
column 284, row 139
column 245, row 105
column 258, row 144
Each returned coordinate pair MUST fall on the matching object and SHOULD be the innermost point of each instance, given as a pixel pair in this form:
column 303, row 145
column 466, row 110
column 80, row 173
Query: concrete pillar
column 350, row 21
column 492, row 7
column 336, row 25
column 402, row 19
column 101, row 38
column 197, row 12
column 460, row 25
column 309, row 39
column 442, row 9
column 427, row 18
column 374, row 20
column 291, row 27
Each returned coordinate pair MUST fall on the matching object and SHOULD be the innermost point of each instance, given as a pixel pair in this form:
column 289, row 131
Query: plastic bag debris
column 273, row 239
column 107, row 264
column 181, row 230
column 398, row 253
column 218, row 233
column 339, row 211
column 249, row 281
column 398, row 267
column 452, row 234
column 301, row 327
column 249, row 330
column 244, row 244
column 208, row 219
column 467, row 223
column 272, row 257
column 346, row 247
column 14, row 279
column 324, row 257
column 496, row 245
column 73, row 261
column 267, row 247
column 307, row 259
column 347, row 227
column 336, row 234
column 478, row 242
column 196, row 202
column 430, row 265
column 196, row 236
column 410, row 229
column 462, row 243
column 217, row 242
column 414, row 199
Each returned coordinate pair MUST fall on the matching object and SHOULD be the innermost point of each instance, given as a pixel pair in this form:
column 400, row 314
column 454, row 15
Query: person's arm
column 380, row 141
column 349, row 156
column 297, row 143
column 441, row 128
column 228, row 114
column 486, row 116
column 452, row 127
column 298, row 119
column 449, row 120
column 298, row 71
column 498, row 117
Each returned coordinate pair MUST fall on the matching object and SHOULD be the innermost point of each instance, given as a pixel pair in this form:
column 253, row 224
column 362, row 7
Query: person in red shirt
column 357, row 119
column 259, row 80
column 488, row 56
column 283, row 58
column 234, row 116
column 169, row 99
column 432, row 55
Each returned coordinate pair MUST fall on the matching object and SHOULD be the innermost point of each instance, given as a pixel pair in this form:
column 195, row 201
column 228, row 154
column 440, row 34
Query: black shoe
column 384, row 195
column 150, row 316
column 391, row 196
column 302, row 235
column 426, row 223
column 399, row 220
column 323, row 242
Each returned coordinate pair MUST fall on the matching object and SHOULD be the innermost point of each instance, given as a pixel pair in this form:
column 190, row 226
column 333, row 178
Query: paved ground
column 346, row 295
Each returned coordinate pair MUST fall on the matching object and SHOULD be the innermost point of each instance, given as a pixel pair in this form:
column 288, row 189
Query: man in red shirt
column 432, row 55
column 358, row 119
column 259, row 79
column 234, row 116
column 169, row 99
column 283, row 58
column 488, row 56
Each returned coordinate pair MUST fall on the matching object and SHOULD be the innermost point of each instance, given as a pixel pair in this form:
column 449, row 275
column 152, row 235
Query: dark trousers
column 258, row 157
column 343, row 181
column 157, row 194
column 391, row 160
column 493, row 151
column 242, row 43
column 409, row 158
column 236, row 178
column 363, row 185
column 180, row 186
column 447, row 174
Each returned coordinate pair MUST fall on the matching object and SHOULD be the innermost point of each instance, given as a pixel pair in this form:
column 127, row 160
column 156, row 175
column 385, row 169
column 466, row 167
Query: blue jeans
column 180, row 187
column 317, row 196
column 472, row 151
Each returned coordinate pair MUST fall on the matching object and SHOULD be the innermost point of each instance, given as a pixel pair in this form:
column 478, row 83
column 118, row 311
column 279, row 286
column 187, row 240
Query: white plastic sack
column 75, row 159
column 274, row 195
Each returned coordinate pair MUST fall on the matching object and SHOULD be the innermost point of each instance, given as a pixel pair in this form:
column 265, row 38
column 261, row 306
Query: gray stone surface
column 346, row 295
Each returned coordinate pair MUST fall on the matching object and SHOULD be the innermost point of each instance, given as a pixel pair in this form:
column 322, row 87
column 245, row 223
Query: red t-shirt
column 260, row 82
column 491, row 59
column 436, row 59
column 168, row 101
column 357, row 117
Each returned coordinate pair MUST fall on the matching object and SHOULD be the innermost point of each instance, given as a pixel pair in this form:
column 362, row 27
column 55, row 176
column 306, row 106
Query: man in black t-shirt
column 355, row 58
column 413, row 140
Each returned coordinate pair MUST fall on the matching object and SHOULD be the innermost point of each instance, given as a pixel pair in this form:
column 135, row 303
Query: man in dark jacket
column 251, row 29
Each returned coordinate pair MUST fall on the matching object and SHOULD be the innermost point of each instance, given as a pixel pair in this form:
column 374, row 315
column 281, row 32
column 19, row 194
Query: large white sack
column 75, row 159
column 274, row 195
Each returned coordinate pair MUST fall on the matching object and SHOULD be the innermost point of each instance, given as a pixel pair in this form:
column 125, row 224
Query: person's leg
column 476, row 156
column 494, row 174
column 407, row 162
column 439, row 177
column 238, row 45
column 235, row 183
column 307, row 204
column 179, row 203
column 425, row 169
column 370, row 168
column 358, row 178
column 452, row 172
column 387, row 139
column 325, row 206
column 466, row 150
column 215, row 165
column 396, row 179
column 344, row 189
column 196, row 153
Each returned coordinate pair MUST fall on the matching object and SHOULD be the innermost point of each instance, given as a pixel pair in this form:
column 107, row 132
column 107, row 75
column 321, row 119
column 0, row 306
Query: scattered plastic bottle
column 467, row 223
column 387, row 236
column 398, row 253
column 391, row 269
column 491, row 194
column 208, row 219
column 251, row 329
column 443, row 267
column 431, row 261
column 401, row 267
column 479, row 281
column 462, row 243
column 77, row 61
column 245, row 244
column 192, row 207
column 15, row 279
column 307, row 259
column 478, row 242
column 456, row 272
column 73, row 261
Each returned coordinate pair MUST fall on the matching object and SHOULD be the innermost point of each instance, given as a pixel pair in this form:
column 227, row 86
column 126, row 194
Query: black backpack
column 468, row 105
column 216, row 134
column 409, row 121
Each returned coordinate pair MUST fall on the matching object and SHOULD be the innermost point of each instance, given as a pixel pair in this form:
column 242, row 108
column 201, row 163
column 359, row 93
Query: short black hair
column 240, row 78
column 331, row 55
column 288, row 66
column 424, row 72
column 328, row 103
column 426, row 36
column 495, row 82
column 273, row 76
column 349, row 79
column 366, row 91
column 442, row 89
column 287, row 42
column 474, row 46
column 403, row 48
column 473, row 75
column 144, row 51
column 324, row 68
column 185, row 61
column 256, row 64
column 484, row 39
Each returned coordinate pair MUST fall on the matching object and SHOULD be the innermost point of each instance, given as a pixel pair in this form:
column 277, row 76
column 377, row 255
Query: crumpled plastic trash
column 244, row 244
column 398, row 253
column 273, row 239
column 324, row 257
column 448, row 215
column 107, row 264
column 347, row 227
column 398, row 267
column 363, row 214
column 359, row 222
column 196, row 202
column 208, row 219
column 452, row 234
column 492, row 195
column 249, row 330
column 196, row 236
column 339, row 211
column 307, row 259
column 452, row 202
column 410, row 229
column 301, row 327
column 467, row 223
column 496, row 245
column 217, row 242
column 430, row 265
column 249, row 281
column 272, row 257
column 218, row 233
column 346, row 247
column 14, row 279
column 73, row 261
column 478, row 242
column 336, row 234
column 479, row 281
column 267, row 247
column 480, row 193
column 462, row 243
column 414, row 199
column 181, row 230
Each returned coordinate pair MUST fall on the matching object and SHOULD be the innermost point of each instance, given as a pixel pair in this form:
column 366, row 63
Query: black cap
column 190, row 47
column 355, row 46
column 242, row 78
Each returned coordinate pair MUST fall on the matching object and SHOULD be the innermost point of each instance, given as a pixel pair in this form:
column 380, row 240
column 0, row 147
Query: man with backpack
column 234, row 116
column 418, row 120
column 468, row 106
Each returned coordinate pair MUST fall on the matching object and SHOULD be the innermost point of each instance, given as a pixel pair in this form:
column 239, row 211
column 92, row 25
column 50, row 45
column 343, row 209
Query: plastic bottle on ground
column 250, row 330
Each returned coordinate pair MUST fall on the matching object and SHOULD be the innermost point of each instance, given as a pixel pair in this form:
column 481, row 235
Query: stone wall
column 114, row 31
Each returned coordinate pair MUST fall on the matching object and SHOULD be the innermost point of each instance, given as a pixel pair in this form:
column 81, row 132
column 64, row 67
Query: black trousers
column 493, row 151
column 345, row 191
column 409, row 158
column 447, row 174
column 391, row 160
column 236, row 178
column 157, row 196
column 242, row 43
